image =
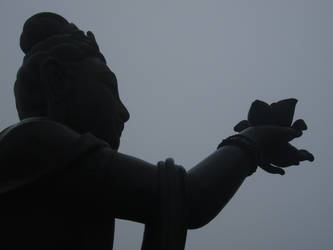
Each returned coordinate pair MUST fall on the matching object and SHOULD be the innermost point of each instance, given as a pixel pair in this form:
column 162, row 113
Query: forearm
column 213, row 182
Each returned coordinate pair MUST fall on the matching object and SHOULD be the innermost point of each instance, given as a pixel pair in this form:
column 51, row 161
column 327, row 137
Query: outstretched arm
column 133, row 184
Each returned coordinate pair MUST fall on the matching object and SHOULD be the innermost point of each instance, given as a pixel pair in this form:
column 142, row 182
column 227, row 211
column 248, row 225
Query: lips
column 121, row 128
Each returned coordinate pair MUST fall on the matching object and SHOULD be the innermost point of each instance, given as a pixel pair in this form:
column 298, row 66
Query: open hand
column 277, row 153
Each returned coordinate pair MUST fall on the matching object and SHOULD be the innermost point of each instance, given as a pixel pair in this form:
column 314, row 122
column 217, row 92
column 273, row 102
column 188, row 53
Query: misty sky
column 188, row 71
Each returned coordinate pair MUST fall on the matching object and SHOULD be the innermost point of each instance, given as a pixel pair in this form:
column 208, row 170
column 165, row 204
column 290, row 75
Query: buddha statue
column 62, row 179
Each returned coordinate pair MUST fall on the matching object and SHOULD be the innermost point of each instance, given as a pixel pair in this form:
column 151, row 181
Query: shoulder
column 34, row 126
column 42, row 137
column 37, row 146
column 28, row 130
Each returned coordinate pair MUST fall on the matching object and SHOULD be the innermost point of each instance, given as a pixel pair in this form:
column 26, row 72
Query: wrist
column 248, row 146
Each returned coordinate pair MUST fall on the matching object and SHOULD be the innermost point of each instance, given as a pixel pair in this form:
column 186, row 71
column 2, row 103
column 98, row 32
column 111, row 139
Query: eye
column 110, row 80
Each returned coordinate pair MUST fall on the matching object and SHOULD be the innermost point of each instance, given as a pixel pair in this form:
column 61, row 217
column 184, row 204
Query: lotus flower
column 278, row 114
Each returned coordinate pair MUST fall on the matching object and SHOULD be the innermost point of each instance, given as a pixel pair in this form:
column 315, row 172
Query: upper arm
column 116, row 183
column 131, row 185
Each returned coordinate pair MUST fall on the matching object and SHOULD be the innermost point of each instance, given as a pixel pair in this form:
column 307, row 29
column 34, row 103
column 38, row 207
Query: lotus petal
column 283, row 112
column 259, row 113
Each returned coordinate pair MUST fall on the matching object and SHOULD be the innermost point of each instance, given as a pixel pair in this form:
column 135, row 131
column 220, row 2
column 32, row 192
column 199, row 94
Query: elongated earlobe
column 54, row 78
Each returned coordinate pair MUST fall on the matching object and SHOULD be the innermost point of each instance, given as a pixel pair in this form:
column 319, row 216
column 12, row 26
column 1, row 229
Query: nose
column 124, row 114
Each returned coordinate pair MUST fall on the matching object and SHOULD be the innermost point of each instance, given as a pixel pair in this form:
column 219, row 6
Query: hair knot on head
column 42, row 26
column 44, row 31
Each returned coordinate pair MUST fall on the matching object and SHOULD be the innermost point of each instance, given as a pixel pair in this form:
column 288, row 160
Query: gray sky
column 188, row 72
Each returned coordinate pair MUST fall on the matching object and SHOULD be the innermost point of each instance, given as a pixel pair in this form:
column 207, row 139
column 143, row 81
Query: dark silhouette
column 62, row 180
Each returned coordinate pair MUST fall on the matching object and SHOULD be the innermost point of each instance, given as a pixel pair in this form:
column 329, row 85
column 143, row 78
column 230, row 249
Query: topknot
column 41, row 26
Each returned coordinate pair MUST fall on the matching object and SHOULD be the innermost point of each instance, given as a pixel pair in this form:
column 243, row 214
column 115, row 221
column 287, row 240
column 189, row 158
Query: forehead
column 95, row 63
column 96, row 68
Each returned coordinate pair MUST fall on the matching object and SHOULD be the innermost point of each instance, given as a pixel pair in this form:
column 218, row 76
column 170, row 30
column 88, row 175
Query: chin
column 109, row 136
column 114, row 143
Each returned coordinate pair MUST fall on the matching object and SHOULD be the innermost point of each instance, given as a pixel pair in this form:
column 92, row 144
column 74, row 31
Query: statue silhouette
column 62, row 179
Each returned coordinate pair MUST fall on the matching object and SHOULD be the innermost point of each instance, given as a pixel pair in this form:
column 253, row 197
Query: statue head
column 65, row 77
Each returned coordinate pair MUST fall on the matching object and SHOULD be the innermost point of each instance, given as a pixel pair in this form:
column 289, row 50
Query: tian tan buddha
column 63, row 181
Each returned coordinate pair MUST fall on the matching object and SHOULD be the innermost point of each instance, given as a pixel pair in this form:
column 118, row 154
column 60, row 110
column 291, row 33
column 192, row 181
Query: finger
column 259, row 113
column 304, row 155
column 283, row 156
column 241, row 126
column 273, row 170
column 300, row 125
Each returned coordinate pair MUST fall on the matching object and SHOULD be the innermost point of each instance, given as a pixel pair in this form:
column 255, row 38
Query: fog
column 188, row 71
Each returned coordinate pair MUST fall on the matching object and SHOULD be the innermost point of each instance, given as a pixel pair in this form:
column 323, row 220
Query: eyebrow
column 100, row 56
column 108, row 73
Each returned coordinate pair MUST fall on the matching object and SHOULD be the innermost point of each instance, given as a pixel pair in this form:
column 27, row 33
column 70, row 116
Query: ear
column 54, row 78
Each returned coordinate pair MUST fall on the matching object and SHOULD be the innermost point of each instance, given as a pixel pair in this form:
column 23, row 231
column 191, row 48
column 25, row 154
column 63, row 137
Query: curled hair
column 47, row 35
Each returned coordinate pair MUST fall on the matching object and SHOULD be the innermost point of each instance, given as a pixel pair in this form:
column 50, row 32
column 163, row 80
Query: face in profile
column 93, row 104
